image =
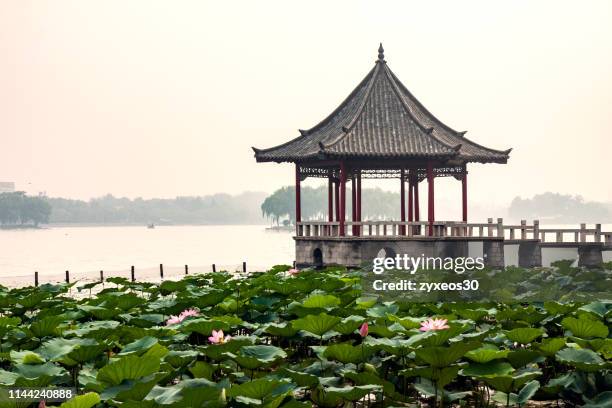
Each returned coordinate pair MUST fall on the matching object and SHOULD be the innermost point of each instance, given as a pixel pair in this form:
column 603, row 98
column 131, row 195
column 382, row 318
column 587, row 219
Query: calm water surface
column 86, row 250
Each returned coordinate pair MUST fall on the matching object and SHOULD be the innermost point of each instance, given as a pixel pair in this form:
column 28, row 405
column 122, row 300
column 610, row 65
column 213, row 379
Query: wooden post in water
column 243, row 266
column 161, row 271
column 132, row 273
column 186, row 269
column 214, row 268
column 35, row 278
column 67, row 277
column 102, row 276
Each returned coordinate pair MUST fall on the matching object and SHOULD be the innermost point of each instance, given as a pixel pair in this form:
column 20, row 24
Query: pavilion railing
column 490, row 229
column 399, row 229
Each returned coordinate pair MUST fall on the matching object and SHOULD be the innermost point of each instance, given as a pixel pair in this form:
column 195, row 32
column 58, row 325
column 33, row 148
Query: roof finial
column 381, row 53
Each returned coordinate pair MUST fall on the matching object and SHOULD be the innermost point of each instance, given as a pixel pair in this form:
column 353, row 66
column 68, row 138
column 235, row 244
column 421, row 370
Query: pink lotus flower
column 182, row 316
column 42, row 404
column 173, row 320
column 189, row 313
column 434, row 324
column 363, row 330
column 293, row 271
column 218, row 337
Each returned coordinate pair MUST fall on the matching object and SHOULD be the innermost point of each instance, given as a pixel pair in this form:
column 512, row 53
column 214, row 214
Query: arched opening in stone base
column 317, row 258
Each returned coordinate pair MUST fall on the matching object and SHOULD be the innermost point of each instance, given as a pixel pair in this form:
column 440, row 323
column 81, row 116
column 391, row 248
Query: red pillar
column 410, row 199
column 298, row 195
column 330, row 199
column 464, row 196
column 416, row 201
column 430, row 197
column 402, row 202
column 353, row 202
column 337, row 195
column 342, row 197
column 359, row 200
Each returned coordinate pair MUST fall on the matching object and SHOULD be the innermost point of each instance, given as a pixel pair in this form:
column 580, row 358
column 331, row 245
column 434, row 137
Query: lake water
column 84, row 251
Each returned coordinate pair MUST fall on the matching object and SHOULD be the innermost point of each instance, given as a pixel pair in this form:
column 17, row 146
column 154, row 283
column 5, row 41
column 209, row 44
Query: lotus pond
column 279, row 339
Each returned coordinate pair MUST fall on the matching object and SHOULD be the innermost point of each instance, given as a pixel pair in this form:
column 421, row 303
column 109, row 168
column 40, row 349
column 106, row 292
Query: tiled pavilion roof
column 381, row 119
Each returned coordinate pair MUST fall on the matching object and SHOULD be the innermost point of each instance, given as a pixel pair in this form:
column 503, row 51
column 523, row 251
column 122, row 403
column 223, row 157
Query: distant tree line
column 212, row 209
column 560, row 209
column 19, row 209
column 376, row 204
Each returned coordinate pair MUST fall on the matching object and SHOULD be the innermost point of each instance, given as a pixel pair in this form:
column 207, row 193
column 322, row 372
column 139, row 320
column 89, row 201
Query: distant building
column 7, row 187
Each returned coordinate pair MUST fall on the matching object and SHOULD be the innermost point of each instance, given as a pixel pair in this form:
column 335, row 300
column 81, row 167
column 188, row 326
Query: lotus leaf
column 346, row 353
column 441, row 376
column 321, row 301
column 585, row 328
column 443, row 356
column 486, row 353
column 524, row 335
column 139, row 346
column 26, row 357
column 82, row 401
column 508, row 383
column 583, row 359
column 260, row 390
column 130, row 367
column 318, row 325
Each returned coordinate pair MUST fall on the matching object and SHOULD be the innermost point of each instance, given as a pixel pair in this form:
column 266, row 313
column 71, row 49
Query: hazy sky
column 149, row 98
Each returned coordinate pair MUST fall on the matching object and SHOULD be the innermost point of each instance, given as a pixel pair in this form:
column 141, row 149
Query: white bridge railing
column 490, row 229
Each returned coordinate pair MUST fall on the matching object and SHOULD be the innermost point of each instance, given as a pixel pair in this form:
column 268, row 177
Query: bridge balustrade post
column 559, row 236
column 597, row 232
column 500, row 227
column 536, row 229
column 582, row 233
column 490, row 227
column 523, row 229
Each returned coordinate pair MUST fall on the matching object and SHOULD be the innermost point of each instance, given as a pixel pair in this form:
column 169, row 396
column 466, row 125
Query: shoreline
column 85, row 225
column 20, row 227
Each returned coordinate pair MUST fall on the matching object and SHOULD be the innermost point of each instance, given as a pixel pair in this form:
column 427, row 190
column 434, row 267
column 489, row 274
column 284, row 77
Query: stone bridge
column 319, row 243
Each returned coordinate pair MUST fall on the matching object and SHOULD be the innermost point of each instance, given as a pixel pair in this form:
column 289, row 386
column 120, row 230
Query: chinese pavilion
column 379, row 131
